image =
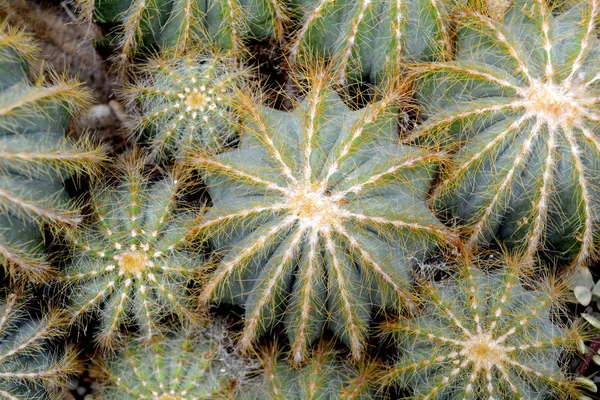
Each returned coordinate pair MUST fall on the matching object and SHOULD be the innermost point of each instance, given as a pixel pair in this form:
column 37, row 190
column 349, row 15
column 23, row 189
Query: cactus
column 369, row 39
column 520, row 106
column 311, row 227
column 189, row 364
column 30, row 367
column 324, row 376
column 185, row 102
column 181, row 24
column 35, row 157
column 488, row 334
column 129, row 263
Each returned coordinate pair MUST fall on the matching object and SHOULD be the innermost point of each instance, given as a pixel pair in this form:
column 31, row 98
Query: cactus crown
column 521, row 104
column 35, row 157
column 30, row 367
column 484, row 335
column 188, row 364
column 309, row 223
column 186, row 101
column 130, row 263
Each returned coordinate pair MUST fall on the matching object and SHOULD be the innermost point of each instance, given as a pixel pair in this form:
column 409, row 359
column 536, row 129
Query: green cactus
column 130, row 263
column 181, row 24
column 189, row 364
column 484, row 335
column 31, row 368
column 324, row 376
column 317, row 216
column 185, row 102
column 369, row 39
column 35, row 157
column 520, row 106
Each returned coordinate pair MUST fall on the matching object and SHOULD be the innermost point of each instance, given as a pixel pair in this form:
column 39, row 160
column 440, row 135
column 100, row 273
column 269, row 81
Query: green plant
column 189, row 364
column 312, row 228
column 494, row 333
column 35, row 157
column 324, row 376
column 520, row 107
column 130, row 263
column 181, row 24
column 369, row 40
column 185, row 102
column 31, row 368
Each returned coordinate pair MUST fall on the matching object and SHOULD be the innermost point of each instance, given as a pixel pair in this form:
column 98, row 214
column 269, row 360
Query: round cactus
column 368, row 39
column 483, row 335
column 184, row 102
column 35, row 157
column 190, row 364
column 31, row 368
column 324, row 376
column 179, row 25
column 520, row 105
column 130, row 263
column 311, row 226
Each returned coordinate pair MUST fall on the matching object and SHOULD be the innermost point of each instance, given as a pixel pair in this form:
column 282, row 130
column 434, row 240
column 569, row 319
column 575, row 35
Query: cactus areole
column 310, row 223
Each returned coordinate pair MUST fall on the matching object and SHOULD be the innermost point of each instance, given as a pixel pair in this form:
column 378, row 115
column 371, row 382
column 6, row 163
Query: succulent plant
column 325, row 375
column 189, row 364
column 520, row 107
column 131, row 263
column 488, row 334
column 180, row 25
column 368, row 39
column 32, row 367
column 35, row 157
column 312, row 228
column 185, row 102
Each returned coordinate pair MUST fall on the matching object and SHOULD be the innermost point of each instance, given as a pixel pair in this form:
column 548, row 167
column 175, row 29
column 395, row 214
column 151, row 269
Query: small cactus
column 324, row 376
column 188, row 364
column 129, row 263
column 367, row 39
column 186, row 102
column 311, row 226
column 31, row 368
column 35, row 157
column 488, row 334
column 520, row 106
column 180, row 25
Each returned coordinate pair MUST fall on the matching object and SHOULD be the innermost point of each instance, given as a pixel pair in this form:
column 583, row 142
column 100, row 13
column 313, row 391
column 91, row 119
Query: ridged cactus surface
column 324, row 375
column 31, row 365
column 188, row 365
column 185, row 102
column 131, row 264
column 370, row 39
column 35, row 157
column 318, row 216
column 488, row 334
column 180, row 24
column 520, row 106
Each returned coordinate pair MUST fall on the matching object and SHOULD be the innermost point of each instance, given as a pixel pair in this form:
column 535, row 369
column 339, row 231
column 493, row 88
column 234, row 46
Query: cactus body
column 180, row 24
column 186, row 102
column 129, row 264
column 484, row 335
column 368, row 39
column 311, row 227
column 188, row 365
column 520, row 104
column 35, row 157
column 30, row 368
column 324, row 376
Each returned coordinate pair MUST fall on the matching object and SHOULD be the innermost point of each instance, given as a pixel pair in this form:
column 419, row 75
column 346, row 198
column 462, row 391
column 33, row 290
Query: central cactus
column 521, row 106
column 311, row 225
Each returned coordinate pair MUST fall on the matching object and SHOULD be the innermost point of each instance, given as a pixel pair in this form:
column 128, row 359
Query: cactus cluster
column 405, row 135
